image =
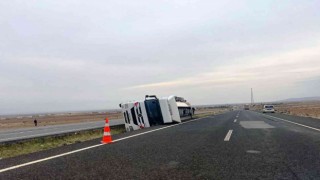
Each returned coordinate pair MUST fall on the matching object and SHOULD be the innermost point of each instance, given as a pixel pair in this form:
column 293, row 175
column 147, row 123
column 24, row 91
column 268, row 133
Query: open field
column 303, row 109
column 210, row 110
column 15, row 122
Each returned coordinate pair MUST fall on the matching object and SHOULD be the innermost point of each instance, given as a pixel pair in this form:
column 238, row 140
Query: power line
column 252, row 100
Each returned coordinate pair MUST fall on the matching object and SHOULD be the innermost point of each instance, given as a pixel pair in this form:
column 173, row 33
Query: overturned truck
column 153, row 111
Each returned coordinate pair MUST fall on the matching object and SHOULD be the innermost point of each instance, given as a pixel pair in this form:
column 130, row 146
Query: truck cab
column 154, row 111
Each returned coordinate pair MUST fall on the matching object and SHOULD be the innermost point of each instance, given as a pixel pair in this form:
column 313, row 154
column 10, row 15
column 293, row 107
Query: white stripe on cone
column 107, row 134
column 107, row 124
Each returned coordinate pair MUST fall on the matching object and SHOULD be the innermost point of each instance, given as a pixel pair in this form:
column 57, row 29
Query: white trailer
column 153, row 111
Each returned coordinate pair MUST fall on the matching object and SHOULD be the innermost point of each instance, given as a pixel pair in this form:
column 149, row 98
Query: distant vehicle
column 153, row 111
column 268, row 109
column 246, row 107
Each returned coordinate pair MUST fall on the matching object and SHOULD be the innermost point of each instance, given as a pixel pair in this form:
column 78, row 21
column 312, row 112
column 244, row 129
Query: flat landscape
column 232, row 145
column 26, row 121
column 303, row 109
column 180, row 90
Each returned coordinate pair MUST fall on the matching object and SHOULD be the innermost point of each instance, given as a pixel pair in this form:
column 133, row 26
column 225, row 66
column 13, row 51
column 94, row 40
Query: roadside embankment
column 302, row 109
column 17, row 148
column 25, row 121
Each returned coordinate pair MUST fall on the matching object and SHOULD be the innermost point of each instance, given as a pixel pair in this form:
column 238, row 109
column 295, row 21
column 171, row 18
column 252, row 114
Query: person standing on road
column 35, row 122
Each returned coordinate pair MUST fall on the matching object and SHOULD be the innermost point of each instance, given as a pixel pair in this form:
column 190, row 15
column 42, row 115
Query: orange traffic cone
column 106, row 139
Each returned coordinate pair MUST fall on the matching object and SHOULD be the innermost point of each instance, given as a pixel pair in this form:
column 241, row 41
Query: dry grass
column 40, row 144
column 55, row 119
column 303, row 109
column 209, row 111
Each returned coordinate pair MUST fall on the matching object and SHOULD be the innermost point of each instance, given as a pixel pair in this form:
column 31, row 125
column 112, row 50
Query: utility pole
column 252, row 100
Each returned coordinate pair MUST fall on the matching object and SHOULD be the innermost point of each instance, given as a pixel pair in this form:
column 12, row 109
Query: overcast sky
column 85, row 55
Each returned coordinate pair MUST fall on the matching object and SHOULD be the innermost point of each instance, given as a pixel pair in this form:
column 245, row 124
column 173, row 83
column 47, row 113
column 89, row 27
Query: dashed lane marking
column 228, row 136
column 90, row 147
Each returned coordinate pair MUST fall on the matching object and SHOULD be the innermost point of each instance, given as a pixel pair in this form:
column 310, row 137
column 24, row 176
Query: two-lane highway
column 234, row 145
column 27, row 133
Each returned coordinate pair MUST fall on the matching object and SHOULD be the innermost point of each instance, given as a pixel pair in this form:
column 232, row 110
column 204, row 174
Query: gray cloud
column 77, row 55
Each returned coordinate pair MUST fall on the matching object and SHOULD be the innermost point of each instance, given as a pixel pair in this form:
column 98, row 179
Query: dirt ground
column 15, row 122
column 211, row 110
column 304, row 109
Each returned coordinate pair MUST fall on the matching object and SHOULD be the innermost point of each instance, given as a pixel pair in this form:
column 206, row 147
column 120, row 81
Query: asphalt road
column 234, row 145
column 26, row 133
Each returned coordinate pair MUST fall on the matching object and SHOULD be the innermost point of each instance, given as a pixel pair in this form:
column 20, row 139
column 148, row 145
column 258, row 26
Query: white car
column 268, row 109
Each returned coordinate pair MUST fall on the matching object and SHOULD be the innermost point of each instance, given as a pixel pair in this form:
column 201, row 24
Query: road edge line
column 292, row 122
column 91, row 147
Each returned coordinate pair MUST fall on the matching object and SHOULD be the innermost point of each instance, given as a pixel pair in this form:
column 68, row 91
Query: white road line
column 235, row 120
column 293, row 122
column 44, row 134
column 227, row 138
column 55, row 127
column 90, row 147
column 46, row 159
